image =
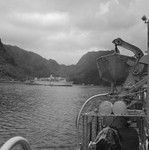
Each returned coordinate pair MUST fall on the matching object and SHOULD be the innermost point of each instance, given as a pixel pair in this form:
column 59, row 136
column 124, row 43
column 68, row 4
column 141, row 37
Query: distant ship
column 51, row 81
column 61, row 83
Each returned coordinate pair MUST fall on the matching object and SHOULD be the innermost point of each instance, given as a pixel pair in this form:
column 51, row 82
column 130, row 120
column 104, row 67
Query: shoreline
column 21, row 82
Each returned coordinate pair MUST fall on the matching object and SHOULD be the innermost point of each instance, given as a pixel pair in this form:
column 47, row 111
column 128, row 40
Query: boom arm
column 138, row 52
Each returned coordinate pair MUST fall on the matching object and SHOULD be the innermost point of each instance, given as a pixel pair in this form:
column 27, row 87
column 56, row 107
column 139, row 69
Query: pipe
column 11, row 143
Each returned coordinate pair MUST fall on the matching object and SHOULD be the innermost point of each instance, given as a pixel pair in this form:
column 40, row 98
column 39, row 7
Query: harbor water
column 44, row 115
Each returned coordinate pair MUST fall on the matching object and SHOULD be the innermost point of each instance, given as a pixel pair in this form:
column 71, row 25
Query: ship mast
column 146, row 20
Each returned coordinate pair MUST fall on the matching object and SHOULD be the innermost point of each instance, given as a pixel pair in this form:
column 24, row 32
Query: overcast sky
column 64, row 30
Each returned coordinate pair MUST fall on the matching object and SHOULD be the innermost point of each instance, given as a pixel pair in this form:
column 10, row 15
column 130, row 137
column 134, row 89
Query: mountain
column 4, row 56
column 85, row 71
column 32, row 64
column 8, row 69
column 19, row 64
column 54, row 67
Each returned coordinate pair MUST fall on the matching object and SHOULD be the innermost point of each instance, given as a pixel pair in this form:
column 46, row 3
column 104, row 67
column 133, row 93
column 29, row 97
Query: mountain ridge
column 23, row 65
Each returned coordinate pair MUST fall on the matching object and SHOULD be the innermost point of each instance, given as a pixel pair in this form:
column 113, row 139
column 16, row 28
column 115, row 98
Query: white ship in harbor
column 52, row 81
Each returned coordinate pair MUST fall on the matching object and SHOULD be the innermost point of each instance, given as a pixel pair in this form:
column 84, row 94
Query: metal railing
column 87, row 101
column 11, row 143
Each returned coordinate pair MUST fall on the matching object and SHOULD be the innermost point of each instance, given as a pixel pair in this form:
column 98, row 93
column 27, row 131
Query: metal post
column 146, row 20
column 147, row 100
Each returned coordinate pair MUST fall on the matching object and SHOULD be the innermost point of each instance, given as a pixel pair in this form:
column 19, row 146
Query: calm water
column 42, row 114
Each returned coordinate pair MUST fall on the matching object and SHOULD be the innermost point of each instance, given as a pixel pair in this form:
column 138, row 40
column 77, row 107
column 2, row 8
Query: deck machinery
column 126, row 99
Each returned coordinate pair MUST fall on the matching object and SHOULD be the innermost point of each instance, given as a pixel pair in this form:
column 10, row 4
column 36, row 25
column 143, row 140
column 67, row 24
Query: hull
column 61, row 83
column 113, row 68
column 52, row 83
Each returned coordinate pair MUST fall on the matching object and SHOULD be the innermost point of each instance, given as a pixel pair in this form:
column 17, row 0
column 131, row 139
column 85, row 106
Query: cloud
column 65, row 30
column 103, row 8
column 40, row 20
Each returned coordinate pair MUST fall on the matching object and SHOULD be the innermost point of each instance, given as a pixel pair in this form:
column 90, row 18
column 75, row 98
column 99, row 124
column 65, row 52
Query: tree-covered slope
column 19, row 64
column 85, row 71
column 32, row 64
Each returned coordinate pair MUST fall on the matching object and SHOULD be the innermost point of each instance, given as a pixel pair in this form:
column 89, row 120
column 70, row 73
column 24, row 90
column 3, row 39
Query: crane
column 137, row 51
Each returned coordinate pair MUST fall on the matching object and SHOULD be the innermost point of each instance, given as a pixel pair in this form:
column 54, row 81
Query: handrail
column 11, row 143
column 88, row 100
column 78, row 117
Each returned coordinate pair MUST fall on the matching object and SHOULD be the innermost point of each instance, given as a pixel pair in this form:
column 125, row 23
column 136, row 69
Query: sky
column 64, row 30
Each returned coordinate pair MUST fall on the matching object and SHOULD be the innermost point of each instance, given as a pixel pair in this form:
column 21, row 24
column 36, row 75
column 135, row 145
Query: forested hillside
column 19, row 64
